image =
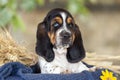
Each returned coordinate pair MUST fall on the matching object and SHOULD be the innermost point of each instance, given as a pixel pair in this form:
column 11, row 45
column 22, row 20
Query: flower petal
column 107, row 73
column 102, row 77
column 114, row 78
column 111, row 74
column 103, row 72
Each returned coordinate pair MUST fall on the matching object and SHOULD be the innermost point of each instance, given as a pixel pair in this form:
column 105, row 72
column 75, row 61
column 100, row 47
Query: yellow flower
column 106, row 75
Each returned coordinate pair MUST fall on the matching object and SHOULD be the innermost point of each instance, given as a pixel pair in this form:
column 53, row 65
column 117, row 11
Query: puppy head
column 60, row 31
column 60, row 26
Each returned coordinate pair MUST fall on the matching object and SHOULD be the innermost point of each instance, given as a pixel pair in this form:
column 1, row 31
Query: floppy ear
column 43, row 45
column 76, row 52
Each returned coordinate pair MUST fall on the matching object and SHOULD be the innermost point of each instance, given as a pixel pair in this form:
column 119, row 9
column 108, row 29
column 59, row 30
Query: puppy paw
column 93, row 69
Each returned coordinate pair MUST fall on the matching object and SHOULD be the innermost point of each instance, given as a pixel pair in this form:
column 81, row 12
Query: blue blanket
column 18, row 71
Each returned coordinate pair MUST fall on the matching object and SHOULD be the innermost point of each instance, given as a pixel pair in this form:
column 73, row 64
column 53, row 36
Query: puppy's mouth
column 62, row 43
column 67, row 42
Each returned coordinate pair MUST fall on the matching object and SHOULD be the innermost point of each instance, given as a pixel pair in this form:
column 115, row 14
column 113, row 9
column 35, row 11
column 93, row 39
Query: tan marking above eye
column 57, row 19
column 69, row 20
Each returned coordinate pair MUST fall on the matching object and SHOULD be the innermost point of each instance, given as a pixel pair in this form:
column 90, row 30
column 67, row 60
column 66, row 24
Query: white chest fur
column 60, row 64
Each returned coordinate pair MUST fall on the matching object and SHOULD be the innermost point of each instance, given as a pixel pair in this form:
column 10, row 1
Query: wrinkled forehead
column 62, row 17
column 58, row 15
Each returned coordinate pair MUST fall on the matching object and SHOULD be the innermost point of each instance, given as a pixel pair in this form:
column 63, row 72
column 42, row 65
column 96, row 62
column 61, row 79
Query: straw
column 10, row 51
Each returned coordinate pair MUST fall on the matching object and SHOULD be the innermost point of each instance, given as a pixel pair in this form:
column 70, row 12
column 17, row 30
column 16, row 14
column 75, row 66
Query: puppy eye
column 70, row 25
column 56, row 24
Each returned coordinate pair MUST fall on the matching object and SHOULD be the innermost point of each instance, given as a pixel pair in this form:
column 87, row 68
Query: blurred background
column 98, row 20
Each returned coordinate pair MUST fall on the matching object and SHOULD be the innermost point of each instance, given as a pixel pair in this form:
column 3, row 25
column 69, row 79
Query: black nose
column 65, row 35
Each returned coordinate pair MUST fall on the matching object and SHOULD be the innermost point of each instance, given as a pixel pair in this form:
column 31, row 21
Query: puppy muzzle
column 66, row 38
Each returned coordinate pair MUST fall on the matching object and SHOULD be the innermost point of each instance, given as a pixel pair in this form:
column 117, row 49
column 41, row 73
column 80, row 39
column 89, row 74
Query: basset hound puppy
column 59, row 44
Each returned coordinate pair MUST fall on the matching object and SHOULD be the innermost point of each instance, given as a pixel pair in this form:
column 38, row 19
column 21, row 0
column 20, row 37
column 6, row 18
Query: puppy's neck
column 60, row 50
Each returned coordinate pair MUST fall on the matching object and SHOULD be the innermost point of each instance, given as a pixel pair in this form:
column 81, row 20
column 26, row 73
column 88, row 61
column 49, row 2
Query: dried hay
column 104, row 61
column 10, row 51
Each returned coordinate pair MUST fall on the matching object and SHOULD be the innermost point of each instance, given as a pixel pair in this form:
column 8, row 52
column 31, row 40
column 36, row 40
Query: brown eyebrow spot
column 58, row 19
column 69, row 20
